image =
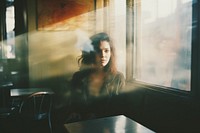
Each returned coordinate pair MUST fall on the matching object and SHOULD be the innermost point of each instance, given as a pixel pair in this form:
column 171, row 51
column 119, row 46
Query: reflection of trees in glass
column 166, row 47
column 182, row 68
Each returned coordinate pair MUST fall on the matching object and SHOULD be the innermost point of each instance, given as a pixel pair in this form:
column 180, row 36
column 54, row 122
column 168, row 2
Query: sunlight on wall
column 54, row 53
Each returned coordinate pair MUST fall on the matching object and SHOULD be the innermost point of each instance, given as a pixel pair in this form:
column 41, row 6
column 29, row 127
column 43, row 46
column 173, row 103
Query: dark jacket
column 112, row 85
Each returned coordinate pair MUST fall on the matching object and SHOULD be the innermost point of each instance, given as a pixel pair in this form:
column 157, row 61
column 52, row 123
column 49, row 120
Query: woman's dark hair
column 88, row 58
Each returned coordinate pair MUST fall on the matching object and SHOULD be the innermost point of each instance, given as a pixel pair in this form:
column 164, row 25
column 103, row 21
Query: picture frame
column 63, row 14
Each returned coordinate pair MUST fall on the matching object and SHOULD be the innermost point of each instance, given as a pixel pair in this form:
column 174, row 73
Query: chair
column 8, row 119
column 7, row 112
column 36, row 108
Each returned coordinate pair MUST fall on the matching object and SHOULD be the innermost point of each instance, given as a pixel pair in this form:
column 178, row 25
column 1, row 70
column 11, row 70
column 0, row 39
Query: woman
column 98, row 75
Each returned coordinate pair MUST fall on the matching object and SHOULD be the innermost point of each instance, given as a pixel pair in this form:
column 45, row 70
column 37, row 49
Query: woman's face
column 104, row 54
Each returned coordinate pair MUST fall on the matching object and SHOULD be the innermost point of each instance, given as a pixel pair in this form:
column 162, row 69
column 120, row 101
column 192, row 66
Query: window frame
column 16, row 69
column 194, row 93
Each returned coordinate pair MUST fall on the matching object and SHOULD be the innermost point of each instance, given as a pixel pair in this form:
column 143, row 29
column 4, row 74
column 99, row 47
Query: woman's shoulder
column 81, row 74
column 78, row 78
column 116, row 83
column 119, row 75
column 116, row 77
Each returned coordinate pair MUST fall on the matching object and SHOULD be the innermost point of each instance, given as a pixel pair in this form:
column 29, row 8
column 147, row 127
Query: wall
column 52, row 56
column 53, row 53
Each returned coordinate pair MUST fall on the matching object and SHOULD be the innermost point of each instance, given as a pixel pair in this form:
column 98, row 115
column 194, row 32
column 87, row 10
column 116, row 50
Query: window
column 13, row 42
column 163, row 42
column 7, row 48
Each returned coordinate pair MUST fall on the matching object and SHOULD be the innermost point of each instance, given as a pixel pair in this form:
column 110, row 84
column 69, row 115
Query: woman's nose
column 102, row 53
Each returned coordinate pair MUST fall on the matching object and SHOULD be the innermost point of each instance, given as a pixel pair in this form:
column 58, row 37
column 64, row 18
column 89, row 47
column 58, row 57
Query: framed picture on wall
column 64, row 14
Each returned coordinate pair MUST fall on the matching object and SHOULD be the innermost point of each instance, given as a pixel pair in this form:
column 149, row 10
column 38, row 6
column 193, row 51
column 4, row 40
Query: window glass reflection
column 9, row 46
column 163, row 39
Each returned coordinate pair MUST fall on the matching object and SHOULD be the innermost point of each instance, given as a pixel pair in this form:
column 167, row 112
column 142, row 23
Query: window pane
column 163, row 42
column 9, row 47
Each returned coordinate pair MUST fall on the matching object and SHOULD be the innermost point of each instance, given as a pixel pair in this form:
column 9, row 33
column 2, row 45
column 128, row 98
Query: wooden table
column 27, row 91
column 113, row 124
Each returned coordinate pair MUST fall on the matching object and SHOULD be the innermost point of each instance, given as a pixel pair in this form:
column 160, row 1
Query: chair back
column 36, row 106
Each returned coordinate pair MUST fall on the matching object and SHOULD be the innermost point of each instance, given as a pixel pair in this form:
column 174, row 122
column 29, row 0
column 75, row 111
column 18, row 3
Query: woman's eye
column 107, row 51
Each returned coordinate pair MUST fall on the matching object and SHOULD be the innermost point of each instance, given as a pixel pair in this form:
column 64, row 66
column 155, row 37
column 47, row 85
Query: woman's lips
column 103, row 60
